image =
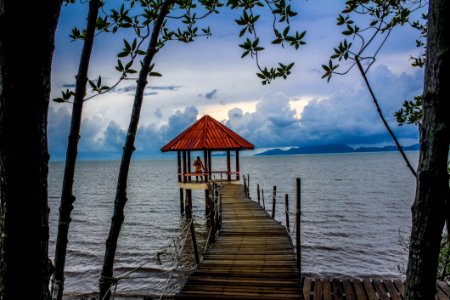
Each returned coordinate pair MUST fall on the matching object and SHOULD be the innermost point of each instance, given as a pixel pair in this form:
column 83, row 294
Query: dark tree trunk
column 106, row 279
column 25, row 70
column 67, row 197
column 431, row 206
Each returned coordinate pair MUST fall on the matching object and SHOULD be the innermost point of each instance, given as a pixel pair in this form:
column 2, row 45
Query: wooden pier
column 362, row 289
column 253, row 257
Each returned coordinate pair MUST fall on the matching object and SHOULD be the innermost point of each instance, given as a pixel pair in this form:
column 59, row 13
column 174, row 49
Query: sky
column 208, row 76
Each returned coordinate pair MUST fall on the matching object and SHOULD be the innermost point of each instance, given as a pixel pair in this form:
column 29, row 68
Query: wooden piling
column 237, row 165
column 264, row 204
column 188, row 203
column 274, row 201
column 180, row 179
column 189, row 165
column 194, row 242
column 181, row 201
column 258, row 193
column 297, row 229
column 220, row 210
column 286, row 205
column 228, row 165
column 248, row 186
column 208, row 203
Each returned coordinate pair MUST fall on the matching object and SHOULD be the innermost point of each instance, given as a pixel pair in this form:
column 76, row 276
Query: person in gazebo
column 198, row 165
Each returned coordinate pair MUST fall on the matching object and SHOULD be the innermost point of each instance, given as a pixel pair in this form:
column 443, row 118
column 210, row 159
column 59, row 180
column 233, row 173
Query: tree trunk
column 24, row 97
column 106, row 279
column 67, row 197
column 431, row 205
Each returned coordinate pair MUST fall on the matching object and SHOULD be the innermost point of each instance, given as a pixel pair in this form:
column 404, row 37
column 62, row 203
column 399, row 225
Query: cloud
column 69, row 85
column 150, row 138
column 166, row 88
column 348, row 117
column 58, row 130
column 149, row 90
column 126, row 89
column 99, row 135
column 114, row 137
column 211, row 95
column 158, row 113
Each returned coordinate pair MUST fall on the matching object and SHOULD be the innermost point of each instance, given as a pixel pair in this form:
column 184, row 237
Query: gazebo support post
column 188, row 203
column 237, row 165
column 209, row 164
column 206, row 164
column 228, row 165
column 188, row 193
column 189, row 164
column 184, row 166
column 179, row 180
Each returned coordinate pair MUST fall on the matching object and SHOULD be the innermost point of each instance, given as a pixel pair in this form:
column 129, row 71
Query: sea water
column 355, row 217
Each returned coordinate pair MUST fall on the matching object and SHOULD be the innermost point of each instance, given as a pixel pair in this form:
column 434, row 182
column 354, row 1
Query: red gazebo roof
column 208, row 134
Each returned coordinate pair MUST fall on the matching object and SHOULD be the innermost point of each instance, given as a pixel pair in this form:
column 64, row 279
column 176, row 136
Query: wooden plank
column 338, row 290
column 440, row 295
column 317, row 289
column 400, row 285
column 359, row 289
column 393, row 292
column 379, row 288
column 444, row 287
column 307, row 289
column 348, row 289
column 370, row 292
column 253, row 257
column 326, row 289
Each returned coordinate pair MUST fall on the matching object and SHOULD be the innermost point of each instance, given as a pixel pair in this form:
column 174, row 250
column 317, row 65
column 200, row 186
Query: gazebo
column 206, row 135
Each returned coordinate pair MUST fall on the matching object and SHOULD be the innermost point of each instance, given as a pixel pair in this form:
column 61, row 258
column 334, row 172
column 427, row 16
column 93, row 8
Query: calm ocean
column 355, row 216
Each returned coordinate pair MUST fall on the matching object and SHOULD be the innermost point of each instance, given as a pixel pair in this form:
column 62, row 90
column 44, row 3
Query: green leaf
column 92, row 84
column 154, row 74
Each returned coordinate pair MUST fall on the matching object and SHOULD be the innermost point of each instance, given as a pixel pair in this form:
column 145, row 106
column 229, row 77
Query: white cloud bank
column 348, row 117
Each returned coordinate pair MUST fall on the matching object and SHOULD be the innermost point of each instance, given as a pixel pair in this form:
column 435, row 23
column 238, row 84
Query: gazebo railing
column 212, row 175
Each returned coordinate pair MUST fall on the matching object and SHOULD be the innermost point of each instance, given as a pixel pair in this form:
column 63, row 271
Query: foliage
column 363, row 42
column 443, row 270
column 411, row 113
column 444, row 258
column 185, row 25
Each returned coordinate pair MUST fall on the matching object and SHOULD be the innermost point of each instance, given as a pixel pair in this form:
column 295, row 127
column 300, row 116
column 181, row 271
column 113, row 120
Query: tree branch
column 375, row 101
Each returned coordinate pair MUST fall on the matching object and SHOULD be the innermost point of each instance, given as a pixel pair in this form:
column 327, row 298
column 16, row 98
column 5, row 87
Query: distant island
column 333, row 148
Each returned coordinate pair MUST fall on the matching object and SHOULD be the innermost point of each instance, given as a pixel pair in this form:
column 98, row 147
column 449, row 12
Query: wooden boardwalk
column 253, row 257
column 358, row 289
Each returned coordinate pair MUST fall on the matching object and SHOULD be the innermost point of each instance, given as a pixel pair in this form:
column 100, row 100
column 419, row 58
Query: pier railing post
column 264, row 204
column 286, row 205
column 258, row 193
column 274, row 201
column 188, row 203
column 245, row 185
column 297, row 227
column 220, row 210
column 248, row 186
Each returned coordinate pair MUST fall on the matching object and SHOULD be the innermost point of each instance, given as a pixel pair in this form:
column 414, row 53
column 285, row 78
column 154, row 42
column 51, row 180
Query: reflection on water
column 354, row 209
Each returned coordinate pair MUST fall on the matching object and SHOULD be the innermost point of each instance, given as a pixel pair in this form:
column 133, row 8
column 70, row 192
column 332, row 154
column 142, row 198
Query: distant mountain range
column 333, row 148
